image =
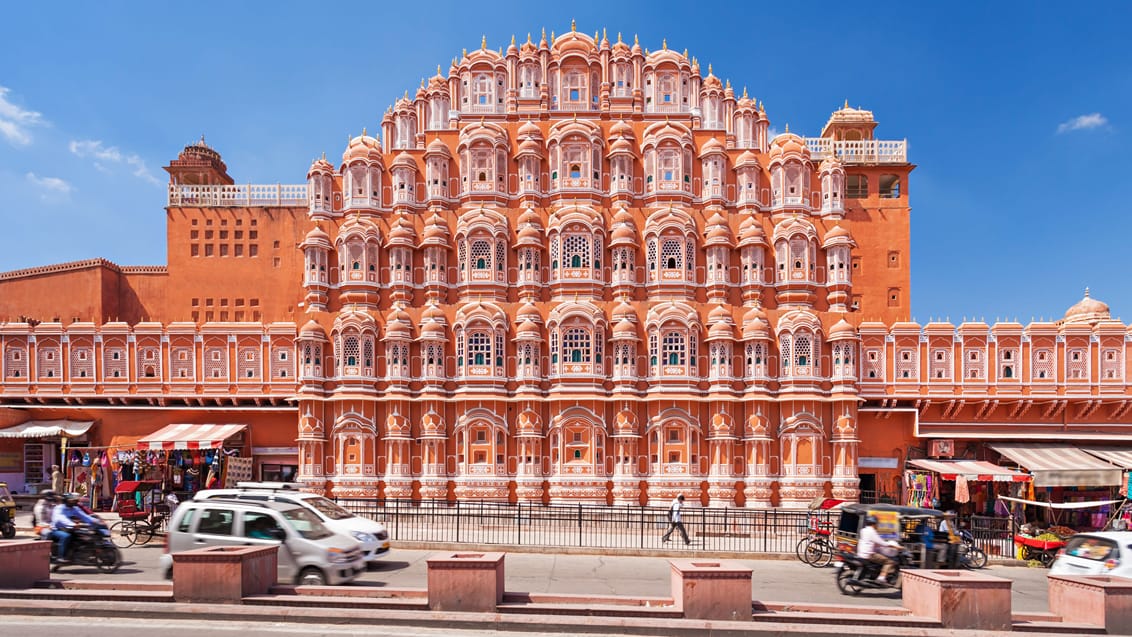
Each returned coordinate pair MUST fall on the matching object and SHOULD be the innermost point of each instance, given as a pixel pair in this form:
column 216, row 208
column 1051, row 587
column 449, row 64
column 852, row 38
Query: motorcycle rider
column 41, row 512
column 63, row 521
column 867, row 548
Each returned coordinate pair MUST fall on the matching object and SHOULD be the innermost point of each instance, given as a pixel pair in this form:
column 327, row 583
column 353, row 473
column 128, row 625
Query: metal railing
column 994, row 535
column 864, row 151
column 239, row 195
column 582, row 525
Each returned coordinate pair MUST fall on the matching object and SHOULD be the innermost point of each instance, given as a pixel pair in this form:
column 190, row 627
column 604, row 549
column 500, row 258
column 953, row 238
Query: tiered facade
column 571, row 271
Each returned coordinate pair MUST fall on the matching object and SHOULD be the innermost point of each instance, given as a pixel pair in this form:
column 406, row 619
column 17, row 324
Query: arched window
column 674, row 350
column 479, row 348
column 577, row 345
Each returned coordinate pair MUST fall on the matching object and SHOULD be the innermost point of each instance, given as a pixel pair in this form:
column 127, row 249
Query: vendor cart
column 1045, row 546
column 140, row 512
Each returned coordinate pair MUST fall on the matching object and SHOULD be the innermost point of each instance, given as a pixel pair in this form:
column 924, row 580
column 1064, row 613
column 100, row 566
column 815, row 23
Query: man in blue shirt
column 63, row 520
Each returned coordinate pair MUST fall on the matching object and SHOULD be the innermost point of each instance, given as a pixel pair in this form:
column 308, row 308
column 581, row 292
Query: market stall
column 1040, row 543
column 948, row 483
column 190, row 457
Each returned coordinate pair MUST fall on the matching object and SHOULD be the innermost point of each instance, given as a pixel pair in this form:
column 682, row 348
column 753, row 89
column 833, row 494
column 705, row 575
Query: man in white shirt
column 674, row 522
column 867, row 548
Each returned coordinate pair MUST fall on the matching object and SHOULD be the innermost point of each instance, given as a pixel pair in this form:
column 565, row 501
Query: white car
column 1105, row 553
column 372, row 535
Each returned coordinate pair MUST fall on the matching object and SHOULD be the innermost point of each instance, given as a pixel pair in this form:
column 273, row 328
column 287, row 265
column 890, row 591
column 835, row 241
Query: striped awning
column 975, row 470
column 46, row 429
column 1119, row 456
column 1061, row 465
column 190, row 437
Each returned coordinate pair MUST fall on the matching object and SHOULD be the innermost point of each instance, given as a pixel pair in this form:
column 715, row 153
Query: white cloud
column 1083, row 122
column 50, row 187
column 105, row 156
column 15, row 121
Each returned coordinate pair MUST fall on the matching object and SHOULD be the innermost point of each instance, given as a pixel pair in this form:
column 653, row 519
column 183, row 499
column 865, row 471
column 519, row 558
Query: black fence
column 994, row 535
column 587, row 526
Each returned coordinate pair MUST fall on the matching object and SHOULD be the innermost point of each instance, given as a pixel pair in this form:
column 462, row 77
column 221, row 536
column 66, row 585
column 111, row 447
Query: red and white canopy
column 190, row 437
column 975, row 470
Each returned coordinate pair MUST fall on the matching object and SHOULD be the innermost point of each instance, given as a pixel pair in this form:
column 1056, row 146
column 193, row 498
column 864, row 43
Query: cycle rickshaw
column 142, row 514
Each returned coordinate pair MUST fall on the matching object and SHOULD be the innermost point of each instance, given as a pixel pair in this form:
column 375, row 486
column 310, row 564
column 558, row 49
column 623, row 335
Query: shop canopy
column 1119, row 456
column 1093, row 504
column 1062, row 465
column 47, row 428
column 190, row 437
column 975, row 470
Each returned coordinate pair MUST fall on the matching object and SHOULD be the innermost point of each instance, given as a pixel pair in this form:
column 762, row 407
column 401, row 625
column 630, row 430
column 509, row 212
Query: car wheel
column 311, row 576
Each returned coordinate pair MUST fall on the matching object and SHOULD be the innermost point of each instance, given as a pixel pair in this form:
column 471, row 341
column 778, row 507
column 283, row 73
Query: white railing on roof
column 239, row 195
column 871, row 151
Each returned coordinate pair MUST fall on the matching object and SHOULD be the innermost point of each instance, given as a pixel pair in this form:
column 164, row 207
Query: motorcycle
column 90, row 546
column 970, row 555
column 855, row 574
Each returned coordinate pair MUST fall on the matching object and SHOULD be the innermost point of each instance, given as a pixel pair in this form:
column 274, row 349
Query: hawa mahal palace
column 573, row 270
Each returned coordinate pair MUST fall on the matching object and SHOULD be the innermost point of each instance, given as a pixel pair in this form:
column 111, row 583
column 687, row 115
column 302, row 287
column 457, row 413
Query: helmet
column 49, row 494
column 71, row 499
column 870, row 520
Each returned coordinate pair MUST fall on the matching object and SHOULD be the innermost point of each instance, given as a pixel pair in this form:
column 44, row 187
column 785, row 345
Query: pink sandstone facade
column 568, row 271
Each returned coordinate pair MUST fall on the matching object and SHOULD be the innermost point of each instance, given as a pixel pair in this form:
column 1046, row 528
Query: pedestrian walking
column 674, row 522
column 56, row 479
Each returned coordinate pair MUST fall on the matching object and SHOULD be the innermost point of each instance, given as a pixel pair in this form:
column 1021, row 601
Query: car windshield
column 328, row 508
column 306, row 524
column 1093, row 548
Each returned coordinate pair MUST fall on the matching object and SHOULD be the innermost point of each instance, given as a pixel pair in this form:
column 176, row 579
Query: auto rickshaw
column 915, row 528
column 7, row 513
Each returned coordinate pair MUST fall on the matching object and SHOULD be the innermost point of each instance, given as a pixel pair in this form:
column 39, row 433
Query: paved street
column 774, row 580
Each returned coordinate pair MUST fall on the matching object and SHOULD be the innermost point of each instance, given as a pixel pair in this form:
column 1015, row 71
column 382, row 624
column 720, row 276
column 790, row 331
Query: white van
column 309, row 552
column 372, row 535
column 1107, row 553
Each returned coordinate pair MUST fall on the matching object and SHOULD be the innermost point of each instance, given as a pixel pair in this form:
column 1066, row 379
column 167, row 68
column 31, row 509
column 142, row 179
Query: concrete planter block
column 25, row 562
column 1100, row 600
column 467, row 581
column 712, row 589
column 958, row 599
column 224, row 574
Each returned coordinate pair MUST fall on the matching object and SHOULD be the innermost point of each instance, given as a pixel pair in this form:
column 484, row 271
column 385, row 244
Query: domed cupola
column 404, row 172
column 320, row 189
column 1088, row 311
column 790, row 173
column 838, row 245
column 362, row 168
column 312, row 343
column 316, row 249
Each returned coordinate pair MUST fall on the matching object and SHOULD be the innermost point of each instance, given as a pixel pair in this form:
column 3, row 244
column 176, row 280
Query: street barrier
column 224, row 574
column 1099, row 600
column 24, row 562
column 958, row 599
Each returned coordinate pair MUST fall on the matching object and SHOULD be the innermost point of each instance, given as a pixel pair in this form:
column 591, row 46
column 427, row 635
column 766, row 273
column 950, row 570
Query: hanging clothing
column 962, row 490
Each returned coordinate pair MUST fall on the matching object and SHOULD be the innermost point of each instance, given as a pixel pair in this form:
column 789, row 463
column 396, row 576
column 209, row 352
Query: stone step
column 329, row 601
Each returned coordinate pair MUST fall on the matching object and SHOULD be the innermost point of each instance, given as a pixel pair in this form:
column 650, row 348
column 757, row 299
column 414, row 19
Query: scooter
column 855, row 574
column 970, row 555
column 90, row 546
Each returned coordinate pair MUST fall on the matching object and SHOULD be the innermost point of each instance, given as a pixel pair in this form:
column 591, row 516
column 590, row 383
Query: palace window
column 756, row 360
column 889, row 186
column 1043, row 365
column 576, row 345
column 675, row 348
column 856, row 186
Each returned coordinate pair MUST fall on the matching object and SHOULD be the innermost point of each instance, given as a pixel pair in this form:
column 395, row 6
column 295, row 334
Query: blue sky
column 1017, row 115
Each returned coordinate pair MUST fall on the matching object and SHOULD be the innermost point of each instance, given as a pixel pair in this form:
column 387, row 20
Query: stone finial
column 846, row 104
column 573, row 26
column 529, row 38
column 483, row 42
column 438, row 70
column 664, row 44
column 619, row 38
column 744, row 91
column 635, row 43
column 709, row 68
column 788, row 127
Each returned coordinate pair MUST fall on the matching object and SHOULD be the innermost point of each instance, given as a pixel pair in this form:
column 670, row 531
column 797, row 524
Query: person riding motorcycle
column 41, row 512
column 867, row 548
column 63, row 522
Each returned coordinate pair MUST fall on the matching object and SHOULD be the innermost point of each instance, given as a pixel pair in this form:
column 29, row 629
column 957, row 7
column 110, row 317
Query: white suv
column 372, row 535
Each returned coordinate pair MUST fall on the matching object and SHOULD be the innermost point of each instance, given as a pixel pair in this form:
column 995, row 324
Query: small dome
column 312, row 330
column 757, row 425
column 437, row 147
column 398, row 315
column 837, row 235
column 362, row 147
column 529, row 235
column 530, row 216
column 721, row 330
column 624, row 310
column 625, row 330
column 720, row 313
column 530, row 129
column 402, row 232
column 711, row 81
column 746, row 158
column 529, row 328
column 751, row 232
column 404, row 160
column 529, row 312
column 755, row 325
column 625, row 423
column 433, row 314
column 842, row 329
column 317, row 236
column 620, row 146
column 433, row 332
column 320, row 166
column 711, row 147
column 786, row 144
column 621, row 128
column 432, row 425
column 436, row 232
column 574, row 42
column 722, row 425
column 830, row 164
column 623, row 234
column 530, row 147
column 528, row 423
column 1087, row 310
column 396, row 426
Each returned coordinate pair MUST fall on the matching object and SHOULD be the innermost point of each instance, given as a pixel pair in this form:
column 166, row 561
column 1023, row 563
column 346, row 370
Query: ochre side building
column 568, row 271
